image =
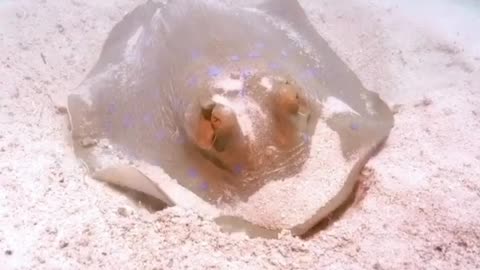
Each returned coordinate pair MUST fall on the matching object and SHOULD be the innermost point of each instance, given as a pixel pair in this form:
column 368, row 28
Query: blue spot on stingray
column 192, row 82
column 243, row 92
column 254, row 54
column 306, row 138
column 111, row 108
column 195, row 55
column 234, row 58
column 160, row 135
column 192, row 173
column 180, row 139
column 237, row 169
column 274, row 66
column 148, row 119
column 214, row 71
column 354, row 126
column 246, row 73
column 128, row 122
column 204, row 186
column 309, row 73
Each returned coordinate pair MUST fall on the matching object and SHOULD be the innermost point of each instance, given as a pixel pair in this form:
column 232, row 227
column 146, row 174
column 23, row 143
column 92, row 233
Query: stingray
column 241, row 112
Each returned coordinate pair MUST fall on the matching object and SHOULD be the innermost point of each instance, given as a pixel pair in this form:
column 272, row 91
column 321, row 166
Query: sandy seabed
column 420, row 206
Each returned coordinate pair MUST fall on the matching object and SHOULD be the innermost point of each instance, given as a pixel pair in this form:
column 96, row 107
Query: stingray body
column 168, row 71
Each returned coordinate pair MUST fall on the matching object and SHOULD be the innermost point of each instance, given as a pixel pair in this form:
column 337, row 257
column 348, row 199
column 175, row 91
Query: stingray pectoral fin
column 289, row 11
column 130, row 177
column 83, row 126
column 118, row 39
column 80, row 116
column 178, row 194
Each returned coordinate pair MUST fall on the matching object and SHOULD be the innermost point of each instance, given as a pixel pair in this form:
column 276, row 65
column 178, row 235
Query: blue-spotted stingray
column 240, row 111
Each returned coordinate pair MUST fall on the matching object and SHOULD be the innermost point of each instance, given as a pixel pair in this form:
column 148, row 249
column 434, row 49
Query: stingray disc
column 235, row 111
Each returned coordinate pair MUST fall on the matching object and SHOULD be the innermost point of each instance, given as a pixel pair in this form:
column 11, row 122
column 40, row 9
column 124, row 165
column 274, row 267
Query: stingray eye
column 215, row 121
column 219, row 139
column 205, row 134
column 293, row 100
column 213, row 139
column 222, row 122
column 219, row 143
column 207, row 109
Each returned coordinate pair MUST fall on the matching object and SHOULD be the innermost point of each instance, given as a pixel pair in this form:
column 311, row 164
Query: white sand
column 422, row 207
